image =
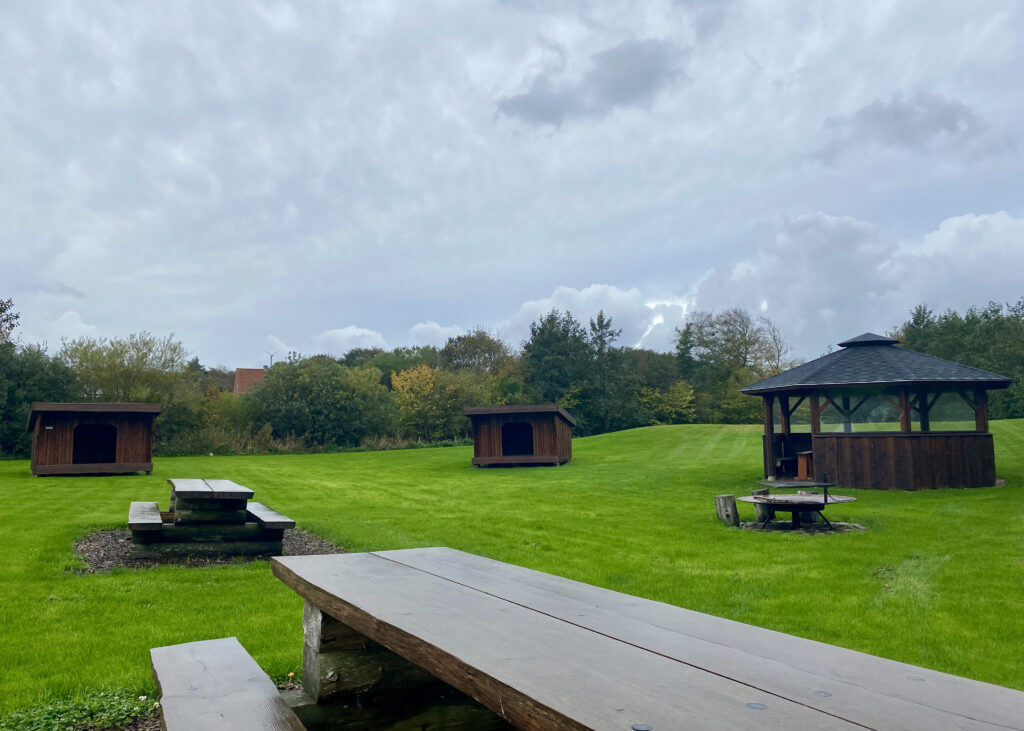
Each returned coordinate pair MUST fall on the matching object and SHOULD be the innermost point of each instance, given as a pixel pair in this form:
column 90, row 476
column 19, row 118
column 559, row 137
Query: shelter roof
column 874, row 361
column 472, row 411
column 39, row 407
column 246, row 379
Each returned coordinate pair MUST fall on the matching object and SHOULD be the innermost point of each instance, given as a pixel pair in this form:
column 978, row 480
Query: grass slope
column 936, row 580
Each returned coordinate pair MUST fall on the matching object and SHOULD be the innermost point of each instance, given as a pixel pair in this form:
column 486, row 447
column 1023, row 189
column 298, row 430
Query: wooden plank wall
column 56, row 446
column 563, row 433
column 897, row 461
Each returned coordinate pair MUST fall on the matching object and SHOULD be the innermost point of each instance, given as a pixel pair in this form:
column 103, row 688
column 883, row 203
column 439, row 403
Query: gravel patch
column 108, row 549
column 810, row 529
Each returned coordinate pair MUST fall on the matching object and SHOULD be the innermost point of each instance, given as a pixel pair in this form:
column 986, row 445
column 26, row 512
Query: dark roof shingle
column 873, row 360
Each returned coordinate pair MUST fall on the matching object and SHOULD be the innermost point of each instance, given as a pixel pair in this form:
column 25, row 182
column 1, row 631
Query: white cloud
column 430, row 333
column 340, row 341
column 644, row 323
column 824, row 278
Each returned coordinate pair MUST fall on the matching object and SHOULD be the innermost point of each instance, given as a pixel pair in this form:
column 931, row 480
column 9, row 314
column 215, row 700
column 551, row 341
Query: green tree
column 673, row 405
column 27, row 374
column 8, row 319
column 989, row 337
column 476, row 351
column 325, row 401
column 431, row 401
column 556, row 356
column 609, row 398
column 140, row 367
column 720, row 353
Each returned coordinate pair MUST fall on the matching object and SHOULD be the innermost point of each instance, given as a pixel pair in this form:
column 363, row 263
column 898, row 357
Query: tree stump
column 725, row 507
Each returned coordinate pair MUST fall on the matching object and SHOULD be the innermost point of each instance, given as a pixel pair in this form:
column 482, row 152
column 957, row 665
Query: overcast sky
column 267, row 176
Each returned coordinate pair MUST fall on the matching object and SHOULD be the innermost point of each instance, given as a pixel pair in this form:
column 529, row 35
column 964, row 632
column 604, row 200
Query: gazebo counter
column 904, row 461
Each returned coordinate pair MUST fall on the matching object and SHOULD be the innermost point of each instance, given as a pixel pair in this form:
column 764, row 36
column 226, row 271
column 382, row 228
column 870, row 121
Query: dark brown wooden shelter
column 872, row 367
column 539, row 434
column 92, row 439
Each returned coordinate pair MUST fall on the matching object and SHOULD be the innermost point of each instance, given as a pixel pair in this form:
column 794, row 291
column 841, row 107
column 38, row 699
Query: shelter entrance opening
column 516, row 439
column 95, row 444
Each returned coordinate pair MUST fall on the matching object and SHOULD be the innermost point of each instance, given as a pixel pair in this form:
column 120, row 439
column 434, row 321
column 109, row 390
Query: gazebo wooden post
column 815, row 414
column 924, row 411
column 904, row 411
column 981, row 411
column 847, row 424
column 784, row 410
column 769, row 437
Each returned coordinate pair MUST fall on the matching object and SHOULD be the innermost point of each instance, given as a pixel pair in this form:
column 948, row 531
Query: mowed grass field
column 936, row 579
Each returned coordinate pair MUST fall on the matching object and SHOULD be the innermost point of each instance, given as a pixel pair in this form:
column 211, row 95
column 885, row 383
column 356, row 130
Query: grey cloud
column 910, row 122
column 40, row 286
column 629, row 74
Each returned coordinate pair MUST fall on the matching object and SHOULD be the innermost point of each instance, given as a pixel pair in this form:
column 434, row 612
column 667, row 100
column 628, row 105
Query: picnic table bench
column 206, row 517
column 544, row 652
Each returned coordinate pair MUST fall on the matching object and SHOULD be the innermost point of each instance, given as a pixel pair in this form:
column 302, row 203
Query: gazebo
column 92, row 438
column 870, row 369
column 539, row 434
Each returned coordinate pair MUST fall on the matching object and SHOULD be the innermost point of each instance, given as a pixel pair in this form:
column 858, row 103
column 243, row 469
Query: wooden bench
column 214, row 685
column 269, row 518
column 544, row 652
column 144, row 516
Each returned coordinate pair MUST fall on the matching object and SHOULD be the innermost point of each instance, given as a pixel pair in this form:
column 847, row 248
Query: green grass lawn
column 937, row 579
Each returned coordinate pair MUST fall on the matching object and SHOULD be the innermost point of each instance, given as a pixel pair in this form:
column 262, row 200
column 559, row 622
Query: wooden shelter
column 92, row 439
column 539, row 434
column 871, row 367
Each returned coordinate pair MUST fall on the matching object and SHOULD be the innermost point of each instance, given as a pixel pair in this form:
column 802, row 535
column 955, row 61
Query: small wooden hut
column 92, row 439
column 871, row 369
column 539, row 434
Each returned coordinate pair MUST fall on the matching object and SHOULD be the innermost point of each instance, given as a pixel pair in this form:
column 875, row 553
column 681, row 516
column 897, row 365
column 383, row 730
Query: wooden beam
column 905, row 423
column 859, row 404
column 769, row 437
column 847, row 426
column 981, row 411
column 924, row 411
column 784, row 413
column 815, row 415
column 794, row 407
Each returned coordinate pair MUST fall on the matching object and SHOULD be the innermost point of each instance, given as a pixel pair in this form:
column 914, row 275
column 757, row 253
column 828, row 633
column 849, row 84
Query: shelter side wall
column 545, row 440
column 486, row 437
column 54, row 443
column 134, row 438
column 896, row 461
column 563, row 433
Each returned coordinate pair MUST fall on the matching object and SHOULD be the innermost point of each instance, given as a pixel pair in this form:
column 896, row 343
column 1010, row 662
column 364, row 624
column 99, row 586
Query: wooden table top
column 796, row 499
column 549, row 653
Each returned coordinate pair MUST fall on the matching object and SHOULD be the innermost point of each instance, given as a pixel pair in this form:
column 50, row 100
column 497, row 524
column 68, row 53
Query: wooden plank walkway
column 549, row 653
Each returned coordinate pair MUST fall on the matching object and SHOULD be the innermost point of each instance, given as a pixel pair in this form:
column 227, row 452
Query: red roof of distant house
column 246, row 379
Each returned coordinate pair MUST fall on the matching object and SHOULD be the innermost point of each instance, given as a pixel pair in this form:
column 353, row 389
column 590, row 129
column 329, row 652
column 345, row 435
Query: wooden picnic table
column 544, row 652
column 797, row 504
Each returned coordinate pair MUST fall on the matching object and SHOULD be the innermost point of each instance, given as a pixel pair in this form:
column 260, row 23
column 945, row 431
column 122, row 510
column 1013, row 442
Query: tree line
column 374, row 398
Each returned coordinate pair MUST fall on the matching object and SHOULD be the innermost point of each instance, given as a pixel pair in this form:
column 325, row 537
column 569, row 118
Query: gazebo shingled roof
column 873, row 360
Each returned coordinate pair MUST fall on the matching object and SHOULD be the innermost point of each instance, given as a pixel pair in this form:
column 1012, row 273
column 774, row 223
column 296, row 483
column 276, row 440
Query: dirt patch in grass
column 108, row 549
